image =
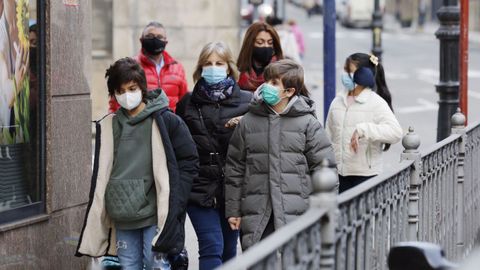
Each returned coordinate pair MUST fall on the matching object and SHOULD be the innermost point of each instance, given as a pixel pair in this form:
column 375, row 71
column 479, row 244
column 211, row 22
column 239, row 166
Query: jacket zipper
column 158, row 78
column 159, row 81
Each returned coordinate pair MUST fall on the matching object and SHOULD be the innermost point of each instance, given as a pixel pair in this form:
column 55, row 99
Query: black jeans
column 348, row 182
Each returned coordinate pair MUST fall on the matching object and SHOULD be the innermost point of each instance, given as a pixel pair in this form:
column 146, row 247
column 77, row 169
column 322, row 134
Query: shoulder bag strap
column 210, row 140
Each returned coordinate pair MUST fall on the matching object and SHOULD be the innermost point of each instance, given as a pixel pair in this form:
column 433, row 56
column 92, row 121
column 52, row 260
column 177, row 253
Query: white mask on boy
column 130, row 99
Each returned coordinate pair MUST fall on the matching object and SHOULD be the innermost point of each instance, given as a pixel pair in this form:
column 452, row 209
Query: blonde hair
column 223, row 51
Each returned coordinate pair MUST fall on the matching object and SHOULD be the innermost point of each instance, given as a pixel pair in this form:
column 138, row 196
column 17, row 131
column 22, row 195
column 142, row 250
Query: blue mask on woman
column 270, row 94
column 213, row 74
column 347, row 81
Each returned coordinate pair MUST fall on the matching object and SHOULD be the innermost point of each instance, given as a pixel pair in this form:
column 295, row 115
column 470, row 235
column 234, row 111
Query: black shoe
column 179, row 261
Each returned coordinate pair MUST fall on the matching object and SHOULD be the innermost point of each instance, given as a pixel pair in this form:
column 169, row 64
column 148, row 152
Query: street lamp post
column 448, row 33
column 329, row 20
column 377, row 26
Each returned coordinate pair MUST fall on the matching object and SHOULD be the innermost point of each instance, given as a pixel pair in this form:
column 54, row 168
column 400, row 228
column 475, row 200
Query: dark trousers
column 348, row 182
column 217, row 243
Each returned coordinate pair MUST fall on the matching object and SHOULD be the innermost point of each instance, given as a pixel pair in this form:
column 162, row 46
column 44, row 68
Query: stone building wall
column 48, row 241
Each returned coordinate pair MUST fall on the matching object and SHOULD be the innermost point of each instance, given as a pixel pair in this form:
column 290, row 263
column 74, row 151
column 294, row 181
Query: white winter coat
column 288, row 43
column 376, row 125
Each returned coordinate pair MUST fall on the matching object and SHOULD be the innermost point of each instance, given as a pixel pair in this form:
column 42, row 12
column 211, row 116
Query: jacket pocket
column 125, row 200
column 305, row 188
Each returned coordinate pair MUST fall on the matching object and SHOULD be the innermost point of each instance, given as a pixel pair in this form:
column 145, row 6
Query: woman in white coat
column 360, row 122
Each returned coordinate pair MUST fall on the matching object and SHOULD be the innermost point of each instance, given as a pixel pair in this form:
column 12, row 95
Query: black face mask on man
column 153, row 46
column 262, row 55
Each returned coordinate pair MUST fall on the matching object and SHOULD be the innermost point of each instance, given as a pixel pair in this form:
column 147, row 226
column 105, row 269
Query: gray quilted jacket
column 270, row 159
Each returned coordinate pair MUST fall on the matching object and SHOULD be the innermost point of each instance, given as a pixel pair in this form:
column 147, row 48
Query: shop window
column 21, row 110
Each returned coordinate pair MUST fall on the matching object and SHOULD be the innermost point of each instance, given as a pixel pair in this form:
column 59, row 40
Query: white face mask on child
column 130, row 99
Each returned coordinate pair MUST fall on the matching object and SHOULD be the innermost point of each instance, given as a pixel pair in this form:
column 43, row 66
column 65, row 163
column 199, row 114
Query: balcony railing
column 432, row 196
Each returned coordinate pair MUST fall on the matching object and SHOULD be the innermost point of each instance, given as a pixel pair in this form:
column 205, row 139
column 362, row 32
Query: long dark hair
column 244, row 61
column 381, row 88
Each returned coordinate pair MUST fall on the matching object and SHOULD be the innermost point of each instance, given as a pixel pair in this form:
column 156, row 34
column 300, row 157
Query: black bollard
column 377, row 27
column 448, row 87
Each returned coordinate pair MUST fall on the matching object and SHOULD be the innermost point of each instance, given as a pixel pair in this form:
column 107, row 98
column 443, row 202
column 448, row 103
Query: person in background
column 312, row 7
column 360, row 121
column 161, row 69
column 145, row 161
column 273, row 152
column 211, row 112
column 33, row 73
column 297, row 32
column 287, row 39
column 260, row 47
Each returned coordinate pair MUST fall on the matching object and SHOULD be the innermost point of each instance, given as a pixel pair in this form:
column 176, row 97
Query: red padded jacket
column 171, row 79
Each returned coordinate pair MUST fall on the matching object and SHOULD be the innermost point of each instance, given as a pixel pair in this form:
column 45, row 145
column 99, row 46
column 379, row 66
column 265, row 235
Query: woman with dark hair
column 360, row 121
column 145, row 160
column 260, row 47
column 371, row 62
column 273, row 152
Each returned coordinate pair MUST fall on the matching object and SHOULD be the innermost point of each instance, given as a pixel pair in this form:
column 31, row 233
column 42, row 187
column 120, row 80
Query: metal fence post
column 458, row 127
column 411, row 142
column 325, row 195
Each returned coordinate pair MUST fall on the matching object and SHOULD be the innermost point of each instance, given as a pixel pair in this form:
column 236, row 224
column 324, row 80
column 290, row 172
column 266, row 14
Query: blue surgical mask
column 270, row 94
column 213, row 74
column 347, row 81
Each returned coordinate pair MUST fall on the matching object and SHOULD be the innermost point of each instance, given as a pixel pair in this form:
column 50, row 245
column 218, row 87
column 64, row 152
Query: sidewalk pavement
column 391, row 25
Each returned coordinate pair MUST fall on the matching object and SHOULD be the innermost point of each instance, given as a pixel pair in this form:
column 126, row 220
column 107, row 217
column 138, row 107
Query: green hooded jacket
column 130, row 197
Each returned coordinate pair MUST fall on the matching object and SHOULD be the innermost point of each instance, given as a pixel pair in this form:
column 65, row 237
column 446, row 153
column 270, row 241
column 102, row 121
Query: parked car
column 356, row 13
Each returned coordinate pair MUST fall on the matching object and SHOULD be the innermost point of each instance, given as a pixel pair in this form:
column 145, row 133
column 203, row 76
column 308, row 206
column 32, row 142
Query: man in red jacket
column 161, row 70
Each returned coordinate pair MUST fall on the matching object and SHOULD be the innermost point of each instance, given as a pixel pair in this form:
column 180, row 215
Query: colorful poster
column 14, row 72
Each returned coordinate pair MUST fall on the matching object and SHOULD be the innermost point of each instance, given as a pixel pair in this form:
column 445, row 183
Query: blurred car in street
column 356, row 13
column 312, row 7
column 247, row 10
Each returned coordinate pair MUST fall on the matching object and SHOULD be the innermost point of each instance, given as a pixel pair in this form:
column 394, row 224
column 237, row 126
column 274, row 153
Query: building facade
column 45, row 139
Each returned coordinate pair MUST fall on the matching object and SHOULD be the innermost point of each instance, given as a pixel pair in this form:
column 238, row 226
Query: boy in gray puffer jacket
column 273, row 152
